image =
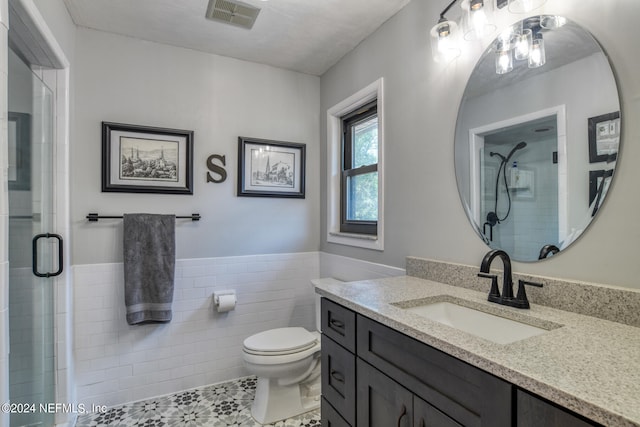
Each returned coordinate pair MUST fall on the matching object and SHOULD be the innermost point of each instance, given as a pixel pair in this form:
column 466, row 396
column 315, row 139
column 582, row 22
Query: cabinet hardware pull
column 337, row 323
column 404, row 412
column 337, row 376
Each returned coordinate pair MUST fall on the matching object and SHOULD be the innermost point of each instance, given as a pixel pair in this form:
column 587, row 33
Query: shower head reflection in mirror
column 544, row 186
column 492, row 217
column 519, row 182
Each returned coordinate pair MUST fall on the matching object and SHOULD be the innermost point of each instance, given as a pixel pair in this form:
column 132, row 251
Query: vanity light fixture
column 444, row 43
column 478, row 15
column 523, row 44
column 537, row 56
column 477, row 23
column 524, row 6
column 444, row 38
column 527, row 43
column 504, row 56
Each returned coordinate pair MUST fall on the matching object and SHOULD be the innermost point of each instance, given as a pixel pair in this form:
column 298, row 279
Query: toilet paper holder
column 224, row 301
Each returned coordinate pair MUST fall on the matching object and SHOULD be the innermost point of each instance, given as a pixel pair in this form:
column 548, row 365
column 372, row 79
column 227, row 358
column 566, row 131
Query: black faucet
column 506, row 298
column 548, row 249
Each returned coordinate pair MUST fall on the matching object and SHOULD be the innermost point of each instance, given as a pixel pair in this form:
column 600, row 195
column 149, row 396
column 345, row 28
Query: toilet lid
column 280, row 340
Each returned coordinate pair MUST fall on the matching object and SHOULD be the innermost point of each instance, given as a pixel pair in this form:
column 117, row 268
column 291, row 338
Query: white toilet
column 287, row 364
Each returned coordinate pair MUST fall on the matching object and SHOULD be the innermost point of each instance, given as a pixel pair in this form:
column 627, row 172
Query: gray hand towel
column 149, row 262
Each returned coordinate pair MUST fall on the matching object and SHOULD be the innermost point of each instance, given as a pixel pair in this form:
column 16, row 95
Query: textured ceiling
column 308, row 36
column 563, row 46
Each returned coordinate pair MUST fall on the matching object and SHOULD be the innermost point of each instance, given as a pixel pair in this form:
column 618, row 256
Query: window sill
column 353, row 239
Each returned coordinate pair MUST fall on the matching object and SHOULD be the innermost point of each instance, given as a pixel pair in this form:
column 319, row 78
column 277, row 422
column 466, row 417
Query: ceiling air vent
column 232, row 12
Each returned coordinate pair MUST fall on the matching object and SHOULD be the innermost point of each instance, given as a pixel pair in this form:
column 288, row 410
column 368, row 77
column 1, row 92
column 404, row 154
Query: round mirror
column 537, row 137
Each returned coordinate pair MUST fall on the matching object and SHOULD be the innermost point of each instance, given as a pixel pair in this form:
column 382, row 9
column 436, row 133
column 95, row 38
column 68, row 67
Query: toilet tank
column 314, row 283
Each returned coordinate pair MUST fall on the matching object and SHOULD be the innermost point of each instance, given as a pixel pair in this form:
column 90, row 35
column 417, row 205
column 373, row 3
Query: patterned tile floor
column 220, row 405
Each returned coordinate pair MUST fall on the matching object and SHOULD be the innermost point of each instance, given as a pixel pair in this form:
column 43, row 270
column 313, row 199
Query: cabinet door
column 534, row 412
column 425, row 415
column 463, row 392
column 381, row 401
column 331, row 417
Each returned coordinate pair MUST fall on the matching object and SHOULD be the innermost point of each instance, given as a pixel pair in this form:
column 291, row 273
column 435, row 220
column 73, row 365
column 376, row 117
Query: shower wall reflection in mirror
column 522, row 142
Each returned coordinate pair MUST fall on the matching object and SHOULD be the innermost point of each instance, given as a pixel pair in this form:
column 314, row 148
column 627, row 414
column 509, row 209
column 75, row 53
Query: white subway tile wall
column 118, row 363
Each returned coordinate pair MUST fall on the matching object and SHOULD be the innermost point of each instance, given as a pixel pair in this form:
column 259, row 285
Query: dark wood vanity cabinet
column 533, row 411
column 331, row 417
column 338, row 360
column 453, row 390
column 339, row 379
column 375, row 376
column 382, row 402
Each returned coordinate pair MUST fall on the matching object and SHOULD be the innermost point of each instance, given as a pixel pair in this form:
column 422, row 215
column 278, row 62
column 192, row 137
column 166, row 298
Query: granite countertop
column 588, row 365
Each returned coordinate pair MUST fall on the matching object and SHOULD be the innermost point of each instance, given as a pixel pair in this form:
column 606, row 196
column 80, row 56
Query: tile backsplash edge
column 615, row 304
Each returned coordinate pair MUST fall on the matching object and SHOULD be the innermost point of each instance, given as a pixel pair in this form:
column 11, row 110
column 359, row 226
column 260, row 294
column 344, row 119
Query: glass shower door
column 32, row 260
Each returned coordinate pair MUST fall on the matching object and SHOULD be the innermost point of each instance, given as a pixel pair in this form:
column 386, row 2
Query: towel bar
column 94, row 217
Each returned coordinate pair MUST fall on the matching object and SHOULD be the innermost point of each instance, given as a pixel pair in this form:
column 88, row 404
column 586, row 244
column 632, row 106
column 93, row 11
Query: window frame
column 371, row 92
column 349, row 121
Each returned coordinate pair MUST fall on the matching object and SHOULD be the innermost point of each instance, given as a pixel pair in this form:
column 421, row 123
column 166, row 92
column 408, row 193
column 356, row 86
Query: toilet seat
column 280, row 342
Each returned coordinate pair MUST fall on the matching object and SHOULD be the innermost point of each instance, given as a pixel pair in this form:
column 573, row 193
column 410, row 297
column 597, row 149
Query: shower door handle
column 34, row 246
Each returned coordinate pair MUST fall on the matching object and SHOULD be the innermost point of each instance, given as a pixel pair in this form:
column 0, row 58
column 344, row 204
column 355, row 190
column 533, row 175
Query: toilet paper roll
column 225, row 303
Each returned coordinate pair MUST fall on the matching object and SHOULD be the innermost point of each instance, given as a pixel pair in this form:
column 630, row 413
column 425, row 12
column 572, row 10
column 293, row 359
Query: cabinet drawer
column 331, row 417
column 339, row 379
column 339, row 324
column 533, row 412
column 467, row 394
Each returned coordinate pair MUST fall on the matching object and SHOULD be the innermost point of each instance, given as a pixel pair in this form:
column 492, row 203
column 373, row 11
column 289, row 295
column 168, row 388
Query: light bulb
column 444, row 46
column 537, row 56
column 504, row 62
column 478, row 19
column 523, row 44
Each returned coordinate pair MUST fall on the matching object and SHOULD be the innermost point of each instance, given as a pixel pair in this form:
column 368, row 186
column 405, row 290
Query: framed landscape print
column 143, row 159
column 270, row 168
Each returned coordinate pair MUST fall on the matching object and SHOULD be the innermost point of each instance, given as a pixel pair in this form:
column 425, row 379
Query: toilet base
column 274, row 402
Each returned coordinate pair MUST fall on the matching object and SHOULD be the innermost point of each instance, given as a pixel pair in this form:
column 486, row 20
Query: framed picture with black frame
column 144, row 159
column 604, row 137
column 19, row 151
column 599, row 182
column 271, row 168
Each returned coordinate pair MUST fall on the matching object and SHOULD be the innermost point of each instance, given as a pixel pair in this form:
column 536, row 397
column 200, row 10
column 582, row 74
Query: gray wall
column 423, row 213
column 126, row 80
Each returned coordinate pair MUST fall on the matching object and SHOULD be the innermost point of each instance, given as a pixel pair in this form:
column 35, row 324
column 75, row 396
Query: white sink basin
column 484, row 325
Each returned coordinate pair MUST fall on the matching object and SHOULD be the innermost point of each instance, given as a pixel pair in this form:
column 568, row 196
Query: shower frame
column 36, row 38
column 476, row 146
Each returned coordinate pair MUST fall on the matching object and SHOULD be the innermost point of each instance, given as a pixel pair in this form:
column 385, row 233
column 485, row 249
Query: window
column 355, row 169
column 359, row 180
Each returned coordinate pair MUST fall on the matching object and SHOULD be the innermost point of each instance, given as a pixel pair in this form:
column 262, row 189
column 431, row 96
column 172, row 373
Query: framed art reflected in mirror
column 19, row 153
column 604, row 137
